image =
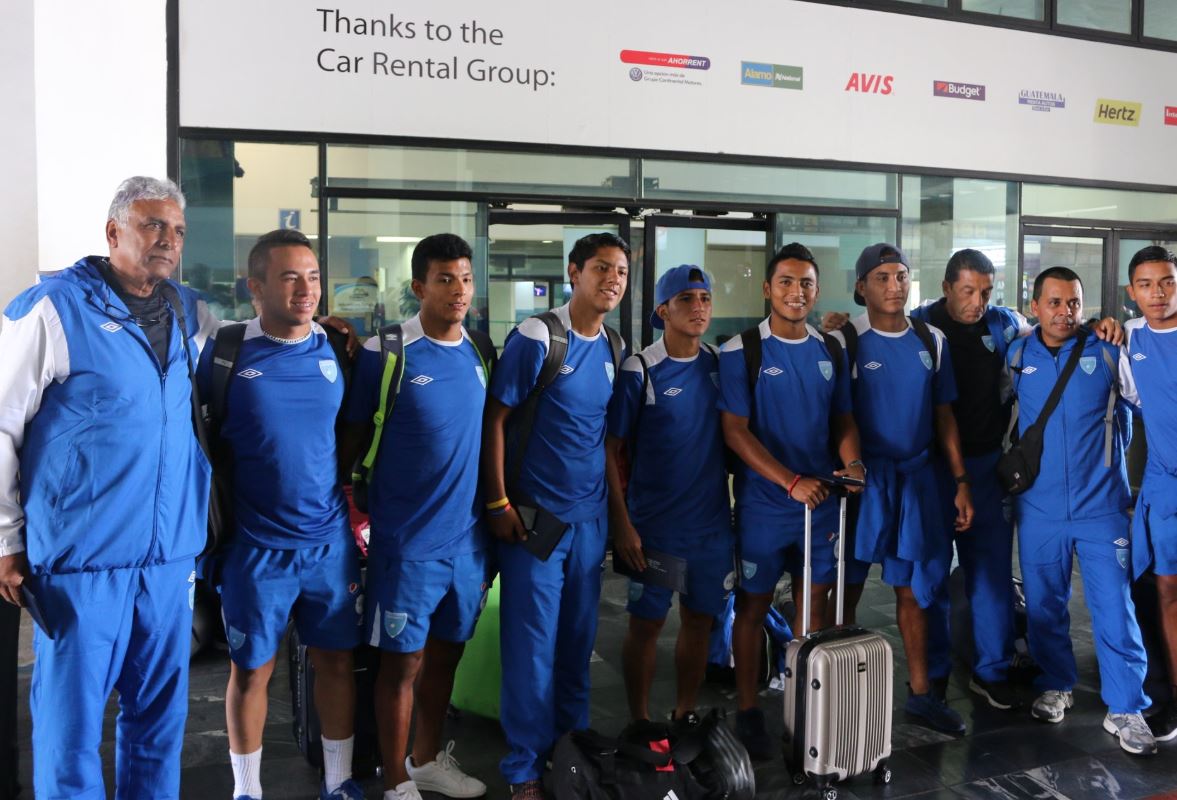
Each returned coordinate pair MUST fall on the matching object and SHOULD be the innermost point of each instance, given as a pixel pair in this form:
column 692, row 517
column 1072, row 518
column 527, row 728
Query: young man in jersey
column 779, row 423
column 1151, row 355
column 664, row 402
column 292, row 552
column 1078, row 506
column 903, row 390
column 428, row 570
column 549, row 608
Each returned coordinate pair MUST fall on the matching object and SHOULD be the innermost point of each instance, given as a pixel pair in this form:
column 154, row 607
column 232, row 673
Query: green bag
column 479, row 679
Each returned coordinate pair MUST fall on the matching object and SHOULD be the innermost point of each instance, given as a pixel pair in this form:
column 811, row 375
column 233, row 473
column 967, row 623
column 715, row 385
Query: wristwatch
column 963, row 478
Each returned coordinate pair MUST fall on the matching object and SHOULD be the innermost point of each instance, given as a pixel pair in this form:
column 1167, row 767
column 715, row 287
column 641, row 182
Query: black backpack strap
column 487, row 353
column 617, row 346
column 392, row 352
column 850, row 334
column 929, row 341
column 226, row 348
column 753, row 358
column 522, row 419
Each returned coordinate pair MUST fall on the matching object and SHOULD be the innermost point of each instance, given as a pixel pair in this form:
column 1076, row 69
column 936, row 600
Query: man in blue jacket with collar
column 1077, row 505
column 103, row 498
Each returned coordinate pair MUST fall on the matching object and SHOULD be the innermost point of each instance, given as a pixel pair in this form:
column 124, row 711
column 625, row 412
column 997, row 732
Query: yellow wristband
column 497, row 504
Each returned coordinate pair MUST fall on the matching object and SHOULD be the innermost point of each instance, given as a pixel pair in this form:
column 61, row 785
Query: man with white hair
column 103, row 498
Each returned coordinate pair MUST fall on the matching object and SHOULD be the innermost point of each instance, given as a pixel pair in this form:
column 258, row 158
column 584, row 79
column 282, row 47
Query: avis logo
column 869, row 83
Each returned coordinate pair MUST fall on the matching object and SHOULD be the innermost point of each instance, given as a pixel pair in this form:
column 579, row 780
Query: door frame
column 506, row 216
column 1106, row 290
column 655, row 221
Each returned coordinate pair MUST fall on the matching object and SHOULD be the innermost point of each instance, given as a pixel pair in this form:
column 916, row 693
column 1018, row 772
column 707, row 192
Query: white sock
column 247, row 773
column 336, row 762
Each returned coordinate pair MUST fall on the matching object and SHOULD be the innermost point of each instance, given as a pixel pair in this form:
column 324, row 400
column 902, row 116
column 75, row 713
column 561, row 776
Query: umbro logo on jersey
column 872, row 365
column 1029, row 370
column 1121, row 542
column 250, row 373
column 111, row 327
column 773, row 371
column 567, row 369
column 421, row 380
column 1139, row 356
column 672, row 391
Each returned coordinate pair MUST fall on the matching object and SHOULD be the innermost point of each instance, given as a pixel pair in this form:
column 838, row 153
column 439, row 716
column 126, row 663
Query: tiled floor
column 1005, row 755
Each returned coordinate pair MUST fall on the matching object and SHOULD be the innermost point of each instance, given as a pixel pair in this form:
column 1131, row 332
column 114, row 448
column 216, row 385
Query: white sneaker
column 404, row 791
column 1051, row 705
column 1133, row 733
column 443, row 776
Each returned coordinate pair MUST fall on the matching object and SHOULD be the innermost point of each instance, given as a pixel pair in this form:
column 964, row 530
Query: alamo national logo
column 827, row 369
column 926, row 357
column 1087, row 364
column 329, row 368
column 988, row 342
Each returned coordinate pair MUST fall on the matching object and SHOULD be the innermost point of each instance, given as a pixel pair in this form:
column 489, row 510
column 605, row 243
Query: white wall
column 84, row 86
column 18, row 152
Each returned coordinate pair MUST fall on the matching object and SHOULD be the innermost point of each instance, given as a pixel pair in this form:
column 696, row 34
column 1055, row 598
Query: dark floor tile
column 1109, row 777
column 1015, row 786
column 963, row 760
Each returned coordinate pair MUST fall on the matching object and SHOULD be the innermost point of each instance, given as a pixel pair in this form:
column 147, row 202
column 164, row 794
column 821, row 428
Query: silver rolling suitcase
column 838, row 690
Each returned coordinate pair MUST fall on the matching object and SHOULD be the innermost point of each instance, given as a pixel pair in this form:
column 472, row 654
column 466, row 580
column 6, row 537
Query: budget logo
column 1117, row 112
column 776, row 76
column 869, row 83
column 649, row 59
column 1041, row 101
column 960, row 91
column 1171, row 115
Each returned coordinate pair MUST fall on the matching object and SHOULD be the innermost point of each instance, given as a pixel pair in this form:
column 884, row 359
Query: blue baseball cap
column 673, row 282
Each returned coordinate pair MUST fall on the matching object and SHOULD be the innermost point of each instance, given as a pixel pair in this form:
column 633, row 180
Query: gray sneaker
column 1133, row 732
column 1051, row 705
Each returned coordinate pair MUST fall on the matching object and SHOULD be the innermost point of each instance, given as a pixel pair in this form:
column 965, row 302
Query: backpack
column 522, row 418
column 392, row 351
column 654, row 761
column 226, row 349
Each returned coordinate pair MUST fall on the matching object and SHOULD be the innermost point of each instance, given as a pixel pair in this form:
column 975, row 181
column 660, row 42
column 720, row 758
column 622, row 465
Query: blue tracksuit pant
column 126, row 629
column 985, row 552
column 1046, row 549
column 549, row 624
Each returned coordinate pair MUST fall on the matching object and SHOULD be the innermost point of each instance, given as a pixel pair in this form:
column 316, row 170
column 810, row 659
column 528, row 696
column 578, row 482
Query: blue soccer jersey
column 424, row 493
column 678, row 483
column 798, row 391
column 1151, row 356
column 280, row 410
column 564, row 467
column 897, row 386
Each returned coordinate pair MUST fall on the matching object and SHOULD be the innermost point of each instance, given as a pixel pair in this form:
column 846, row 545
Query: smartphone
column 544, row 530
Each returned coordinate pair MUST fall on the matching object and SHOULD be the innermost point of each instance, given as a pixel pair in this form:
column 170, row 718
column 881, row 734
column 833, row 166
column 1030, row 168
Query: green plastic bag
column 479, row 678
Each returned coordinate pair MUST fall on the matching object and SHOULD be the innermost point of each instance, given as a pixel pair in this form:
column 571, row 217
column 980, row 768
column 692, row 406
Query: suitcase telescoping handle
column 807, row 573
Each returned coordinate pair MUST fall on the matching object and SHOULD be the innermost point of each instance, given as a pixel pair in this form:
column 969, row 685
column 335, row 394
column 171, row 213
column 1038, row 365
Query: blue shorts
column 261, row 588
column 1163, row 538
column 710, row 578
column 411, row 601
column 768, row 546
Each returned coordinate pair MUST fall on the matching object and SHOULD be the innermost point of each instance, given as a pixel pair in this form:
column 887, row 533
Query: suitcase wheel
column 829, row 793
column 882, row 774
column 798, row 778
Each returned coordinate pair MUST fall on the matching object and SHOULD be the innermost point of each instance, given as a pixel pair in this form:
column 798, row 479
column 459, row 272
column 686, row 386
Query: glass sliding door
column 1082, row 250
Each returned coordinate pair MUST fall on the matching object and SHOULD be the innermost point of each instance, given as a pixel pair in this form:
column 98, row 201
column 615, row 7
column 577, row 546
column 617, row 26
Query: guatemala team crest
column 1087, row 364
column 926, row 357
column 827, row 369
column 481, row 374
column 715, row 379
column 609, row 371
column 236, row 638
column 749, row 569
column 329, row 368
column 988, row 342
column 635, row 591
column 1009, row 334
column 1122, row 557
column 394, row 623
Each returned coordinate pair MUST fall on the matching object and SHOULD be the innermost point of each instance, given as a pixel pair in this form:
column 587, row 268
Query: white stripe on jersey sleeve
column 35, row 354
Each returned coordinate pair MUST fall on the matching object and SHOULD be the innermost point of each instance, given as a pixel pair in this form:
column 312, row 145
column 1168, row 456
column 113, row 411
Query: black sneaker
column 998, row 694
column 751, row 732
column 1164, row 723
column 934, row 713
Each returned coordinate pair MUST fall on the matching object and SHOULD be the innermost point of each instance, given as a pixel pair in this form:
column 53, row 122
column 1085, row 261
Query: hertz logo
column 1117, row 112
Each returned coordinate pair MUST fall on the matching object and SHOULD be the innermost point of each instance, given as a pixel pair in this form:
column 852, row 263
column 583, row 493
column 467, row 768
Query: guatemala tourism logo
column 1041, row 101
